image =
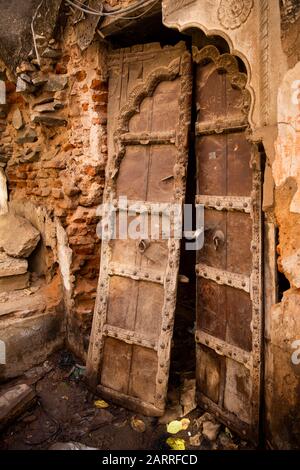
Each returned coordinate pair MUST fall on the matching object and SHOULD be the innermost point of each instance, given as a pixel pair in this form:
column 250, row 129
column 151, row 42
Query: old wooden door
column 149, row 117
column 229, row 316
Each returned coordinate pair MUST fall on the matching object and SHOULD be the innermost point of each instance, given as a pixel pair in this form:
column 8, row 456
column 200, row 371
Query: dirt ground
column 65, row 411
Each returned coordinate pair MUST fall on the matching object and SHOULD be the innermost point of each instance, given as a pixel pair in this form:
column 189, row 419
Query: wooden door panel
column 140, row 122
column 135, row 164
column 122, row 302
column 208, row 372
column 229, row 306
column 165, row 106
column 238, row 175
column 220, row 102
column 209, row 100
column 149, row 307
column 124, row 252
column 211, row 302
column 238, row 243
column 143, row 374
column 211, row 162
column 148, row 146
column 116, row 357
column 239, row 317
column 237, row 393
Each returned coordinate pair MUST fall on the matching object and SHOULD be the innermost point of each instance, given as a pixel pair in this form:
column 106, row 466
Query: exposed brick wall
column 56, row 159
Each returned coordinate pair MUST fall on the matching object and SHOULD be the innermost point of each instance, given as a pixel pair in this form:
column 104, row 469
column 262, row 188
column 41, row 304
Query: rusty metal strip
column 229, row 419
column 228, row 203
column 117, row 269
column 129, row 337
column 221, row 277
column 256, row 285
column 165, row 339
column 99, row 319
column 224, row 349
column 146, row 138
column 220, row 127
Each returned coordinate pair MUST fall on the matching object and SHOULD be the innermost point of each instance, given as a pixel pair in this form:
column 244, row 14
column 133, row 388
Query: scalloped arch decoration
column 229, row 64
column 143, row 91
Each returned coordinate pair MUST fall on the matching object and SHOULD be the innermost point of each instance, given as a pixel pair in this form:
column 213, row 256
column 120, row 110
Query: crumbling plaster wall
column 283, row 334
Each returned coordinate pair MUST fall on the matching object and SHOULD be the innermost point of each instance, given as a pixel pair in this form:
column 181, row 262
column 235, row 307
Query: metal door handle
column 143, row 245
column 218, row 239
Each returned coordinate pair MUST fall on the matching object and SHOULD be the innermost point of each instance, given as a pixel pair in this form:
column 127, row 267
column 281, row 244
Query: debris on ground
column 70, row 446
column 171, row 414
column 175, row 427
column 137, row 424
column 101, row 404
column 65, row 414
column 37, row 373
column 188, row 396
column 226, row 442
column 175, row 443
column 14, row 402
column 66, row 359
column 196, row 440
column 76, row 373
column 210, row 430
column 198, row 423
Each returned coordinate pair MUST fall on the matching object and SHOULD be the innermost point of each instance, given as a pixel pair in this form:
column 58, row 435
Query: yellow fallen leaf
column 185, row 423
column 138, row 425
column 175, row 444
column 176, row 426
column 101, row 404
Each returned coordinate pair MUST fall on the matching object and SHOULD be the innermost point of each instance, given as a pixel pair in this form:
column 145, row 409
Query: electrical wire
column 33, row 32
column 83, row 9
column 80, row 6
column 112, row 12
column 142, row 14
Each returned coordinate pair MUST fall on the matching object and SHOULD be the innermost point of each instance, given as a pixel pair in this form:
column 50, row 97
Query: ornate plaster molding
column 233, row 13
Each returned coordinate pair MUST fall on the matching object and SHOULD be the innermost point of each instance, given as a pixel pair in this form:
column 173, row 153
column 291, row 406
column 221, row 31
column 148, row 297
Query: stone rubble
column 14, row 402
column 18, row 237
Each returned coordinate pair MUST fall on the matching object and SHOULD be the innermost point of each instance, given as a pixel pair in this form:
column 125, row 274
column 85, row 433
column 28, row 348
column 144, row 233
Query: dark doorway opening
column 183, row 353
